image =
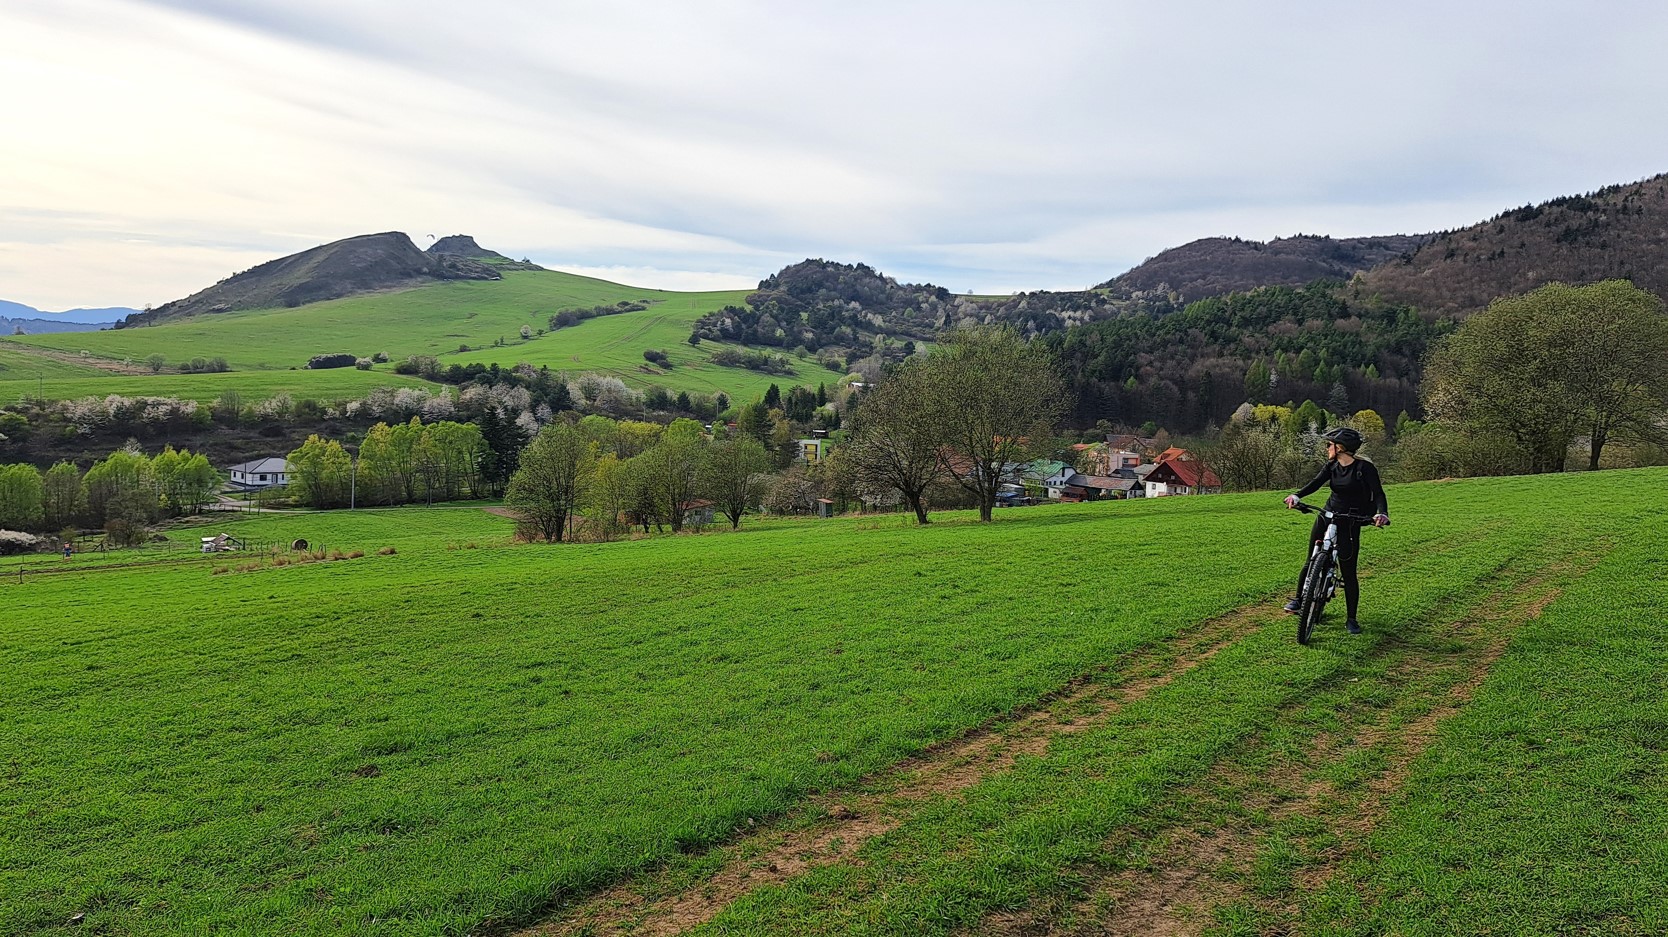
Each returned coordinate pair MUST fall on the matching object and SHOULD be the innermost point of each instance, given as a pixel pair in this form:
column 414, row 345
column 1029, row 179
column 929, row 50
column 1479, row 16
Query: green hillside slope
column 470, row 734
column 439, row 319
column 252, row 386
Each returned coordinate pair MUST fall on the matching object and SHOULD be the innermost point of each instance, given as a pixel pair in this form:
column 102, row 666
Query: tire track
column 1195, row 865
column 835, row 826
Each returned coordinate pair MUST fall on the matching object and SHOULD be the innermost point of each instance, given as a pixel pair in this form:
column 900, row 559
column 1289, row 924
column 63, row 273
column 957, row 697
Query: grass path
column 1274, row 820
column 1039, row 835
column 833, row 827
column 836, row 828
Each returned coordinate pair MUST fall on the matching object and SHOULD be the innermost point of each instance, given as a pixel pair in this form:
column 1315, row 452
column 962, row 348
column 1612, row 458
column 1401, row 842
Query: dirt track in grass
column 1217, row 853
column 833, row 827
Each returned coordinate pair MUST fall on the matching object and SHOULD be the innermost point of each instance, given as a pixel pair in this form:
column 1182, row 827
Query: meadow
column 252, row 386
column 471, row 735
column 439, row 319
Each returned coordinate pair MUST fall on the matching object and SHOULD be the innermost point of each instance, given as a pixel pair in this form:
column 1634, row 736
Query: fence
column 99, row 557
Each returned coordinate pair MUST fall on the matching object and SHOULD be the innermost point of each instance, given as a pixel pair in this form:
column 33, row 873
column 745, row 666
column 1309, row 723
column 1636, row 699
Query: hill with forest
column 1220, row 265
column 362, row 264
column 1619, row 231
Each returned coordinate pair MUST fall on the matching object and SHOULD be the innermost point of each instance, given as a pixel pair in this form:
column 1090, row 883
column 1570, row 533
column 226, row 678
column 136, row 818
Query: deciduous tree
column 896, row 442
column 991, row 393
column 555, row 473
column 733, row 475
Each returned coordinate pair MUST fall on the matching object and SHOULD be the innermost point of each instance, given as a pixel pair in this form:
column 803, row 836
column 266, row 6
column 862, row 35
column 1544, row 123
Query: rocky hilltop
column 1218, row 266
column 362, row 264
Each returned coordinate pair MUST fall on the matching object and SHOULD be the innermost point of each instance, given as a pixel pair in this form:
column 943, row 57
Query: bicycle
column 1320, row 583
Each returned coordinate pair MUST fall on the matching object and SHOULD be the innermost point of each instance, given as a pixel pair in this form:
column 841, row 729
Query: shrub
column 526, row 332
column 363, row 364
column 386, row 551
column 380, row 357
column 16, row 541
column 321, row 362
column 656, row 356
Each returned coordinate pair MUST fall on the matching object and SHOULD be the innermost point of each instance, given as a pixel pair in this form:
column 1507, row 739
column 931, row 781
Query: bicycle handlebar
column 1306, row 508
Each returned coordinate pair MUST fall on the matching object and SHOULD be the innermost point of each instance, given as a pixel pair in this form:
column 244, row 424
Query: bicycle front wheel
column 1313, row 599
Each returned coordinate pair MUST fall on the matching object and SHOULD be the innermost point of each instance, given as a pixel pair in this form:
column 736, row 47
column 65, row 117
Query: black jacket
column 1355, row 488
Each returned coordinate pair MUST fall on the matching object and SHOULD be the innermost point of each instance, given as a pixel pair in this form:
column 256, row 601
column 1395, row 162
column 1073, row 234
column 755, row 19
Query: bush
column 363, row 364
column 16, row 541
column 201, row 365
column 752, row 361
column 380, row 357
column 656, row 356
column 425, row 366
column 321, row 362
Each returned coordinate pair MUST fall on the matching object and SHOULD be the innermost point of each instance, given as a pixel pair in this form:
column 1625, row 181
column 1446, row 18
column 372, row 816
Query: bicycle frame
column 1314, row 595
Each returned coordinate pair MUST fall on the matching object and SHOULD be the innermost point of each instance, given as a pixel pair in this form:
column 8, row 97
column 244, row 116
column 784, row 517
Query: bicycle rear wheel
column 1313, row 600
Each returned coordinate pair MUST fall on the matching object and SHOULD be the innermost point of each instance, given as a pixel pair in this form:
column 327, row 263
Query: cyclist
column 1355, row 491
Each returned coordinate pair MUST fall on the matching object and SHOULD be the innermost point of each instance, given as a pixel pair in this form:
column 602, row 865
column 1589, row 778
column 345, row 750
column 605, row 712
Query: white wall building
column 261, row 473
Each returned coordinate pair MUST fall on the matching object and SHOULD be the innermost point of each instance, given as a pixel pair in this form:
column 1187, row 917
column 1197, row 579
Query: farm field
column 856, row 726
column 331, row 384
column 18, row 365
column 438, row 319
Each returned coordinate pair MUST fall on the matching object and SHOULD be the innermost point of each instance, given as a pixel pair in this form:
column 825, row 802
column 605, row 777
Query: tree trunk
column 1596, row 447
column 920, row 508
column 986, row 504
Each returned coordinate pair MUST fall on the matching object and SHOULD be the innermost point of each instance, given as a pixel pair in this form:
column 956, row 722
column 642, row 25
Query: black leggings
column 1349, row 550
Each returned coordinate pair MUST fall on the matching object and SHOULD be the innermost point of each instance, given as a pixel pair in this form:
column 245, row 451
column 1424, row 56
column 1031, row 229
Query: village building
column 1181, row 476
column 261, row 473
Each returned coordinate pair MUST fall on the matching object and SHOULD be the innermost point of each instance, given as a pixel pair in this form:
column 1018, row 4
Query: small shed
column 825, row 507
column 697, row 513
column 220, row 543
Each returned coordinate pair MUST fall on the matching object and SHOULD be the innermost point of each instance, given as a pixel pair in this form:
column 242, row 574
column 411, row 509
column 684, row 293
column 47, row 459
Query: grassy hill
column 439, row 319
column 253, row 386
column 855, row 726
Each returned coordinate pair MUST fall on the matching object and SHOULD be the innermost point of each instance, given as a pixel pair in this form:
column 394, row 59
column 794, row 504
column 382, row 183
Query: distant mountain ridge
column 361, row 264
column 14, row 316
column 1221, row 265
column 1619, row 231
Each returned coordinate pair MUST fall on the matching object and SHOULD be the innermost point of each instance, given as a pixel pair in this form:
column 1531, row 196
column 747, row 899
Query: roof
column 696, row 505
column 266, row 466
column 1185, row 472
column 1109, row 482
column 1174, row 452
column 1142, row 471
column 1128, row 441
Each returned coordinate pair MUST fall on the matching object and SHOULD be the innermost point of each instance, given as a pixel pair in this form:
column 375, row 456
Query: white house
column 261, row 473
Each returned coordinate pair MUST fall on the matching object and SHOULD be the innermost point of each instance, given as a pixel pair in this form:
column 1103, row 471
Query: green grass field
column 331, row 384
column 438, row 319
column 16, row 365
column 476, row 735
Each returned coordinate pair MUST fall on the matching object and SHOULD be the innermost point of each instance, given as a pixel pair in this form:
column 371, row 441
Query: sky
column 152, row 147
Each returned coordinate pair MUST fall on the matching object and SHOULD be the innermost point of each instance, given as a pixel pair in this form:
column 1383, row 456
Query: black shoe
column 1293, row 606
column 1353, row 626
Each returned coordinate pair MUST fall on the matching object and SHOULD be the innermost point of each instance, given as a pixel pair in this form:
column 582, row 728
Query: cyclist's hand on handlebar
column 1291, row 501
column 1381, row 520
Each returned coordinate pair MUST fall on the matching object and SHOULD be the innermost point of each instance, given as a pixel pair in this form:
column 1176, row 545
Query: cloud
column 974, row 142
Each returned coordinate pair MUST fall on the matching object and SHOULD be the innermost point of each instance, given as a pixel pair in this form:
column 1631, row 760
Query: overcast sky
column 151, row 148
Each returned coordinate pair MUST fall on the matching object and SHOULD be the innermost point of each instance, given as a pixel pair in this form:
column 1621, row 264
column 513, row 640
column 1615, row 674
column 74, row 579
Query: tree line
column 122, row 493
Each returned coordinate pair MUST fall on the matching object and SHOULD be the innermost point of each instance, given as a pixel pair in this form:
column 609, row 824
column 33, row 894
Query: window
column 262, row 478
